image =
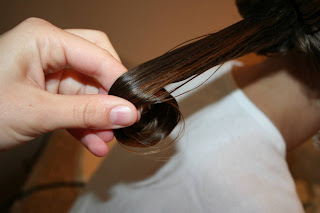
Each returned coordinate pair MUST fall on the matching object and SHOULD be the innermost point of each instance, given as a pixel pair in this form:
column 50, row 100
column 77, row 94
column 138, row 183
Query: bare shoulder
column 280, row 95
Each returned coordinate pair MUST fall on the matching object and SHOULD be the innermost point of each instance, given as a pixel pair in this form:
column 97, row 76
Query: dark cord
column 5, row 207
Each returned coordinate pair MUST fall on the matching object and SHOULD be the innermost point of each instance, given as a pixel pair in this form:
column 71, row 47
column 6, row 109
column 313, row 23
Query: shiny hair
column 269, row 27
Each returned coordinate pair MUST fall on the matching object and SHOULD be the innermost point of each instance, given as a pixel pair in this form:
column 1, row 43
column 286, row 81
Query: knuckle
column 98, row 73
column 86, row 115
column 34, row 28
column 102, row 35
column 89, row 115
column 102, row 40
column 34, row 21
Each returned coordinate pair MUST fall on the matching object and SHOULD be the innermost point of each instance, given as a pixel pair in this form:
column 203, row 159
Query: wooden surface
column 64, row 160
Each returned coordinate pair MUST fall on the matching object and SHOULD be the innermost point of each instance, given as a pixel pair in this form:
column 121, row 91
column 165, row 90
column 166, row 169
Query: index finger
column 97, row 37
column 91, row 60
column 58, row 48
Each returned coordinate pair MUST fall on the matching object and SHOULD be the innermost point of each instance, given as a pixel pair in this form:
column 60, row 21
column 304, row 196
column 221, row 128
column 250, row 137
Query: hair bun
column 269, row 27
column 159, row 115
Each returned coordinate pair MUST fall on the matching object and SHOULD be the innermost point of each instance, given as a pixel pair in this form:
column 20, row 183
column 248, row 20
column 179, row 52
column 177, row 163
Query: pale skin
column 53, row 79
column 59, row 79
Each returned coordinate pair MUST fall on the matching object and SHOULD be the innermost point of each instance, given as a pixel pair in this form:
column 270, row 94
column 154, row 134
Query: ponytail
column 269, row 32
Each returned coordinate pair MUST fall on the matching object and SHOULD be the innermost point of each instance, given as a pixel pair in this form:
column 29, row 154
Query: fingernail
column 121, row 115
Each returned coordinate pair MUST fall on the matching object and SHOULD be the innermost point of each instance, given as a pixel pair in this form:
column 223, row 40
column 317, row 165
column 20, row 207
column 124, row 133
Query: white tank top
column 230, row 159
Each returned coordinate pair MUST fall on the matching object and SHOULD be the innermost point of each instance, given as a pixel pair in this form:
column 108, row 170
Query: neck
column 285, row 88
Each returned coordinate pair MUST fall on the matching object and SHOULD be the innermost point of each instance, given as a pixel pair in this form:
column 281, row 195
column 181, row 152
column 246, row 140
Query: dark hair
column 269, row 27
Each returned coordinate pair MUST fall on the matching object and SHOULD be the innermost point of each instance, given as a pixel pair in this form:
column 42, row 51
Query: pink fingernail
column 122, row 116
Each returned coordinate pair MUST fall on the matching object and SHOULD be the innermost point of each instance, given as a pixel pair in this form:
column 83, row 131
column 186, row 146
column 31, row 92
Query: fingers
column 36, row 49
column 99, row 38
column 94, row 141
column 99, row 112
column 57, row 48
column 90, row 60
column 74, row 83
column 89, row 118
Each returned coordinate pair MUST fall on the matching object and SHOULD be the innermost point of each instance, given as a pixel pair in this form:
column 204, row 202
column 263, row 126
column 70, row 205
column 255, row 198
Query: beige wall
column 139, row 29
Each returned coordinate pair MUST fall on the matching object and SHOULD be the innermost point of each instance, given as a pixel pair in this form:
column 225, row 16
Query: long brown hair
column 269, row 27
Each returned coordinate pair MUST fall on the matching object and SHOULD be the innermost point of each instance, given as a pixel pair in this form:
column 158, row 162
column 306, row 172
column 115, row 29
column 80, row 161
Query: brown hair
column 269, row 27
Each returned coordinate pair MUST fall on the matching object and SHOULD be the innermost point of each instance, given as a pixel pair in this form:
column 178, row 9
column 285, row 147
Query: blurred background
column 139, row 30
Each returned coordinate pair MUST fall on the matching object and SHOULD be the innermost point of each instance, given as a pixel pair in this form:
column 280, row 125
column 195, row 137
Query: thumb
column 88, row 112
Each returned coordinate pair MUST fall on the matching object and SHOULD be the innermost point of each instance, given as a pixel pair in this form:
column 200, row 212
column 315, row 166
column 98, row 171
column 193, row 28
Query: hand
column 50, row 79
